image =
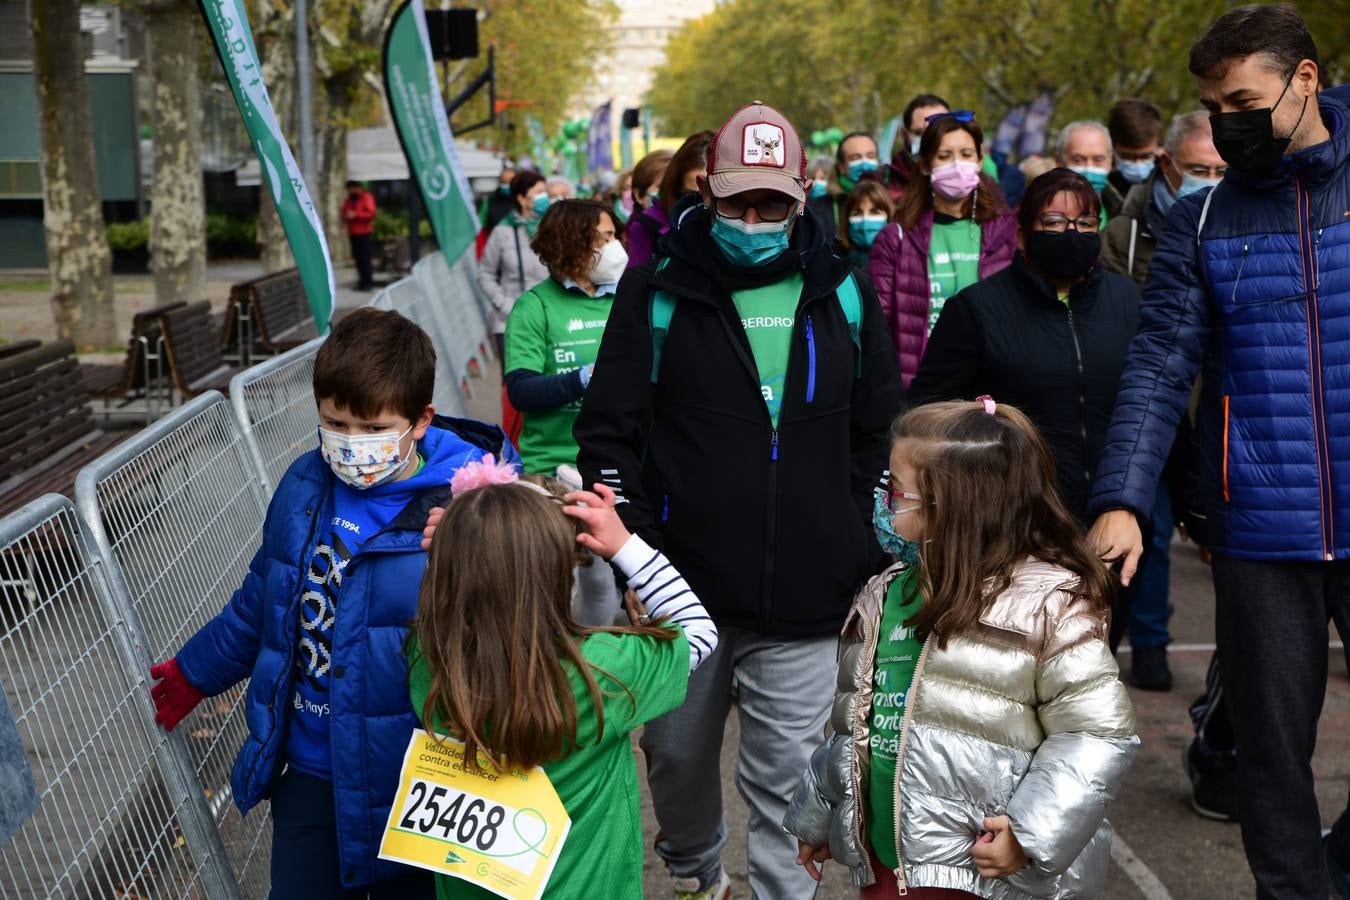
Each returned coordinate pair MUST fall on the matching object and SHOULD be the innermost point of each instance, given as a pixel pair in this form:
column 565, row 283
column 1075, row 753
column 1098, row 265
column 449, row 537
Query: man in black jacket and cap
column 740, row 408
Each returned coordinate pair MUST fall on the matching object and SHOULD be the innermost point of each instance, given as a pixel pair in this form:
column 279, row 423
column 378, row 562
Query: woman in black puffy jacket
column 1048, row 334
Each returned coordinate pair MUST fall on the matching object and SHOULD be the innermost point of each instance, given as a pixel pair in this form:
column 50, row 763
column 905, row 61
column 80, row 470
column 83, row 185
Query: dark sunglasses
column 960, row 115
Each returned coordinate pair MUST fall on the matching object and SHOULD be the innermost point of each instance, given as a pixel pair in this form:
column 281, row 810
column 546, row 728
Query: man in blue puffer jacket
column 318, row 625
column 1251, row 284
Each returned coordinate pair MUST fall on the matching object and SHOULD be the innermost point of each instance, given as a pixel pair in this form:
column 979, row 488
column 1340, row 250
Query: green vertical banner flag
column 228, row 24
column 415, row 104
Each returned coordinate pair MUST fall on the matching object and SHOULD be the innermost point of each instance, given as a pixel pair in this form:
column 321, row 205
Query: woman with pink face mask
column 952, row 228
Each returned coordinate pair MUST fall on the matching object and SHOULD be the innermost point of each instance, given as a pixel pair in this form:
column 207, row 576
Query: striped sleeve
column 666, row 595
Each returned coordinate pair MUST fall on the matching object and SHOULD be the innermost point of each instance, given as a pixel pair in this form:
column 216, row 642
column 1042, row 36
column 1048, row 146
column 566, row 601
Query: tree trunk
column 177, row 206
column 77, row 244
column 331, row 144
column 275, row 41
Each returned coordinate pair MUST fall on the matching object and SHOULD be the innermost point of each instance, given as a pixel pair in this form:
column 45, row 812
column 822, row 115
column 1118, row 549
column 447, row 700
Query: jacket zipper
column 1308, row 258
column 1227, row 497
column 810, row 361
column 771, row 530
column 1082, row 394
column 900, row 758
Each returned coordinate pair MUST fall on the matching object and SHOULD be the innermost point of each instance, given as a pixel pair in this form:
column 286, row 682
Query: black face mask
column 1063, row 256
column 1246, row 138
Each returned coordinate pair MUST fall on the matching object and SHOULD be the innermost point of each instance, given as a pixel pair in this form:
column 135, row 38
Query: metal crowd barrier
column 407, row 297
column 119, row 813
column 176, row 514
column 274, row 404
column 104, row 803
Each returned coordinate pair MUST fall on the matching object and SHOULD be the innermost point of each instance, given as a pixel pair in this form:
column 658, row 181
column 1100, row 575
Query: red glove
column 174, row 695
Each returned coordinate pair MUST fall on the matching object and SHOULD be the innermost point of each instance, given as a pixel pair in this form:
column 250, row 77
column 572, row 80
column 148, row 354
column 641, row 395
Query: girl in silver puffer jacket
column 980, row 727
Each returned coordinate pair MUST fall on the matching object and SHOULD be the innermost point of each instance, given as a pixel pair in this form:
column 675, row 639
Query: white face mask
column 610, row 262
column 914, row 144
column 363, row 460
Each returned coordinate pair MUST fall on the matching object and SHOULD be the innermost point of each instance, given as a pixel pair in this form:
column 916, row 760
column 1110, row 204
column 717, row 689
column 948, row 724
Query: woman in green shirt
column 552, row 339
column 951, row 229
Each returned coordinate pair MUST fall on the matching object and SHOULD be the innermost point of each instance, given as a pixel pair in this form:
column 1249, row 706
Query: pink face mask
column 956, row 180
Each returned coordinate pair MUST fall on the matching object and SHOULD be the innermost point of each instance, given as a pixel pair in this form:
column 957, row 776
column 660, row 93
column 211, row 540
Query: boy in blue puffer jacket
column 320, row 620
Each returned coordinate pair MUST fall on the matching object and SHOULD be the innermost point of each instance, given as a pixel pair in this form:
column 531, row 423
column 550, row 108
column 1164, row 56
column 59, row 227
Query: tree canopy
column 854, row 63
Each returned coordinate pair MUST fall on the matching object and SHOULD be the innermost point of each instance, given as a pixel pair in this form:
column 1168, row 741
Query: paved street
column 1179, row 854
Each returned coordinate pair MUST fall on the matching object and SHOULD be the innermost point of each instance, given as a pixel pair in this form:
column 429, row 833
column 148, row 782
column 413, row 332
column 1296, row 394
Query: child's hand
column 997, row 852
column 433, row 519
column 809, row 856
column 605, row 533
column 173, row 694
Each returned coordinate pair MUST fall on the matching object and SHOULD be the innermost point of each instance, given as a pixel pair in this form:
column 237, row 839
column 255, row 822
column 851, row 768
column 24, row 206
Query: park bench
column 47, row 430
column 17, row 347
column 266, row 316
column 140, row 375
column 192, row 350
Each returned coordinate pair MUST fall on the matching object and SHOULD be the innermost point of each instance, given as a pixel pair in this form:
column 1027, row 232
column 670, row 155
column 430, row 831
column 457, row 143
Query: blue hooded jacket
column 254, row 637
column 1251, row 281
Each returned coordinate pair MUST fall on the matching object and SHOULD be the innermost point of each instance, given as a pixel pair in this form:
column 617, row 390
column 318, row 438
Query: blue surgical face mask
column 901, row 548
column 819, row 188
column 540, row 204
column 750, row 245
column 1095, row 176
column 860, row 167
column 863, row 230
column 1135, row 171
column 504, row 189
column 1190, row 184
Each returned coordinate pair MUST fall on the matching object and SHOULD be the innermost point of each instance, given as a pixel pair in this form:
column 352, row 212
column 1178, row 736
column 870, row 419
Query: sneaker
column 1213, row 786
column 1149, row 670
column 687, row 889
column 1340, row 882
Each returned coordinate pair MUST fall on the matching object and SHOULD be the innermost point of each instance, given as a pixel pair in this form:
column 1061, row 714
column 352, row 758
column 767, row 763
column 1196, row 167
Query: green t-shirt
column 597, row 783
column 552, row 331
column 897, row 656
column 953, row 263
column 768, row 314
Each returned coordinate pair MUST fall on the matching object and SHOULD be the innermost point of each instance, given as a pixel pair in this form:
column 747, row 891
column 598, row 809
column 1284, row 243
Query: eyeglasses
column 1058, row 224
column 893, row 498
column 1207, row 171
column 960, row 115
column 734, row 207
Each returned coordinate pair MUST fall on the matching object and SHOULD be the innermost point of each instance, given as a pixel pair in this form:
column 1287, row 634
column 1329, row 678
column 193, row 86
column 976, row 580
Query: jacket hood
column 1313, row 164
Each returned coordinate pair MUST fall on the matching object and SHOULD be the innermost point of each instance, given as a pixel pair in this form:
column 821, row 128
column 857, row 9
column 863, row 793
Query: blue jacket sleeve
column 223, row 652
column 1165, row 357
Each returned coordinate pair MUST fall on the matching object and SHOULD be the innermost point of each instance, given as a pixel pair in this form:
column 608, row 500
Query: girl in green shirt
column 498, row 662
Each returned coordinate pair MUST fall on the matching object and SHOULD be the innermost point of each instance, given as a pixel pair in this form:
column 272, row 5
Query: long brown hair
column 918, row 196
column 988, row 488
column 693, row 154
column 495, row 630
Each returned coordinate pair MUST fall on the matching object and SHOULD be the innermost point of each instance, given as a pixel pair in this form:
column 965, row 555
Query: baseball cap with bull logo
column 757, row 149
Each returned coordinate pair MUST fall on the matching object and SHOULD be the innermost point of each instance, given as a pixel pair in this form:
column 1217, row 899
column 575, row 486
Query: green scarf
column 531, row 224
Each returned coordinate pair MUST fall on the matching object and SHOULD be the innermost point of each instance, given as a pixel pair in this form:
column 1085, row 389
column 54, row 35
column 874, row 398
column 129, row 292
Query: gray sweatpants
column 782, row 687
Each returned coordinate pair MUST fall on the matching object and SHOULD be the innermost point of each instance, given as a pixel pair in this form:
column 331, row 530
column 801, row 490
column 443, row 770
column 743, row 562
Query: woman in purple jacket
column 951, row 229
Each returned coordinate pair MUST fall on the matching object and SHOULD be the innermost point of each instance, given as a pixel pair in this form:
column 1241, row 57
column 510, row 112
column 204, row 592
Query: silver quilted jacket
column 1023, row 715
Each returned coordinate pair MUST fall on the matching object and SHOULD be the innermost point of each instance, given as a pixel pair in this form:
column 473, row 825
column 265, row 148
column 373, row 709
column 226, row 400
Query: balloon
column 570, row 149
column 817, row 138
column 834, row 135
column 559, row 144
column 570, row 130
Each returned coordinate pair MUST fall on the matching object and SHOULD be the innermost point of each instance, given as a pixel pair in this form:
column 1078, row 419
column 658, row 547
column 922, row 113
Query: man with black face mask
column 739, row 408
column 1248, row 286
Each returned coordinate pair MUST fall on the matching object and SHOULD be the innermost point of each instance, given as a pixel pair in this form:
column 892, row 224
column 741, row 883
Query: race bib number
column 502, row 831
